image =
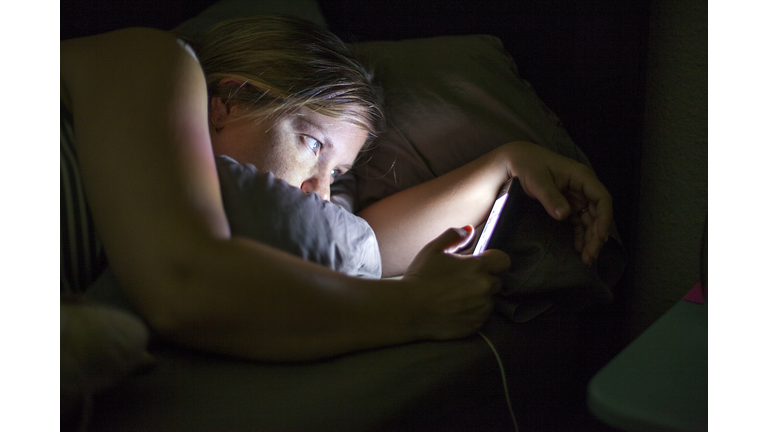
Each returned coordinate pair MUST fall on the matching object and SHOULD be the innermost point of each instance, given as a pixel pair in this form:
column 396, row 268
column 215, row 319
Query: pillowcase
column 269, row 210
column 447, row 101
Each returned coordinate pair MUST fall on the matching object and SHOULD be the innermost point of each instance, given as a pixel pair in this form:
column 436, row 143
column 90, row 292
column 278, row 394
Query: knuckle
column 583, row 170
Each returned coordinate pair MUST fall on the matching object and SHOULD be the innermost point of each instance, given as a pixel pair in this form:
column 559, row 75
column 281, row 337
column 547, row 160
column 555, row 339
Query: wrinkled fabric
column 269, row 210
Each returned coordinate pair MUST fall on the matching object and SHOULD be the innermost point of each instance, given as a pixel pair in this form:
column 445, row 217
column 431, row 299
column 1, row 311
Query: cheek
column 287, row 162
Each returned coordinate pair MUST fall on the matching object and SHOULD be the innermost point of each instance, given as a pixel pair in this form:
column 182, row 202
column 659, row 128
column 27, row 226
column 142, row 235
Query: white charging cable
column 503, row 379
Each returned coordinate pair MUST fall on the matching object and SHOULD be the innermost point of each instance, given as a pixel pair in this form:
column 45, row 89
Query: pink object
column 696, row 295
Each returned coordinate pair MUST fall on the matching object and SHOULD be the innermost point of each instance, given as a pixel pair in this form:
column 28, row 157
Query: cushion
column 448, row 100
column 269, row 210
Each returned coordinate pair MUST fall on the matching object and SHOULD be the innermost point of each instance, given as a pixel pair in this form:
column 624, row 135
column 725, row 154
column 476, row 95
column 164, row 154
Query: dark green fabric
column 428, row 385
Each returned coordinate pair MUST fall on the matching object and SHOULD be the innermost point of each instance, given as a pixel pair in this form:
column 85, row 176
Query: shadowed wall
column 673, row 185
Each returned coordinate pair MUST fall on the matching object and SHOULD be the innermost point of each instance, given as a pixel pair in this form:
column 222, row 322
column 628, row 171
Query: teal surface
column 659, row 382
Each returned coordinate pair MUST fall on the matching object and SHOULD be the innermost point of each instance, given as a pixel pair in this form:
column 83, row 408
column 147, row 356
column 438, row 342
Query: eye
column 335, row 172
column 313, row 144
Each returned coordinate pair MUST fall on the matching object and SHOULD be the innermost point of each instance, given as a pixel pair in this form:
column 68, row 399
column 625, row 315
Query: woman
column 148, row 121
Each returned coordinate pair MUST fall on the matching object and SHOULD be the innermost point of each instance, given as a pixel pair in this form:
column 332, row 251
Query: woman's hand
column 453, row 293
column 567, row 189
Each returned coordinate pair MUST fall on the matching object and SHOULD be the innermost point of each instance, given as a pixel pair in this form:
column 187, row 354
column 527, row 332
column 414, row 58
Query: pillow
column 269, row 210
column 449, row 100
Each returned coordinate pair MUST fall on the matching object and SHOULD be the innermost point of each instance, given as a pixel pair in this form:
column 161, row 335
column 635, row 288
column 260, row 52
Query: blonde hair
column 285, row 64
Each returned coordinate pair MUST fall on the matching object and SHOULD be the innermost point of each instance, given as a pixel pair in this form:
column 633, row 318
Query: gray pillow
column 269, row 210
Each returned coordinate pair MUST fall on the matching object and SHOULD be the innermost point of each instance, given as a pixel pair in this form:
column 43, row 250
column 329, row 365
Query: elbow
column 171, row 295
column 164, row 307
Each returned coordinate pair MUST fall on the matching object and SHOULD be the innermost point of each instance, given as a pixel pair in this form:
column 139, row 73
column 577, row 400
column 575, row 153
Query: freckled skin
column 285, row 147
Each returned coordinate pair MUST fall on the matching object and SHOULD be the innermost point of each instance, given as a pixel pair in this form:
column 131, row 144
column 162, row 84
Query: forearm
column 245, row 299
column 151, row 182
column 406, row 221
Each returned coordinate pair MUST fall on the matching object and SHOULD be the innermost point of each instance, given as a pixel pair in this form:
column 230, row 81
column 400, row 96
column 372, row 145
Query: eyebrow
column 326, row 141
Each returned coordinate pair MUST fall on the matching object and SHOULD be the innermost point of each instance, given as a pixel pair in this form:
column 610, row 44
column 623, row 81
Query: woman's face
column 306, row 149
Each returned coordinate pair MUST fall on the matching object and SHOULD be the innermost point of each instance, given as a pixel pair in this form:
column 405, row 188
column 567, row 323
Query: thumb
column 553, row 201
column 452, row 239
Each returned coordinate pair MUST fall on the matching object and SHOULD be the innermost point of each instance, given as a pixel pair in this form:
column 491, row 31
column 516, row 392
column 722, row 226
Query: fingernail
column 467, row 229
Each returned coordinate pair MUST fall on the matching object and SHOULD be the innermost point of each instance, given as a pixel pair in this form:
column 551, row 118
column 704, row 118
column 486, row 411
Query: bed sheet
column 453, row 385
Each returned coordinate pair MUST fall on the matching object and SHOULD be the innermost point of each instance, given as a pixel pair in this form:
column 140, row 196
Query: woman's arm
column 405, row 221
column 139, row 103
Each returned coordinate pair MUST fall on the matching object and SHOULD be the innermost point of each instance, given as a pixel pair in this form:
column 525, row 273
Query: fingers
column 544, row 189
column 585, row 192
column 496, row 285
column 578, row 236
column 456, row 290
column 483, row 267
column 469, row 232
column 592, row 206
column 600, row 204
column 588, row 240
column 494, row 261
column 451, row 240
column 593, row 241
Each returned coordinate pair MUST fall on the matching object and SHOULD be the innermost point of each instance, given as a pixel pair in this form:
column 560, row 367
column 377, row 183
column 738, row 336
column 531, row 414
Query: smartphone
column 503, row 217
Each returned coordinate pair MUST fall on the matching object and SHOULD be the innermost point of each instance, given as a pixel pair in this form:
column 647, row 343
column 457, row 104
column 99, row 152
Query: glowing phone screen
column 490, row 225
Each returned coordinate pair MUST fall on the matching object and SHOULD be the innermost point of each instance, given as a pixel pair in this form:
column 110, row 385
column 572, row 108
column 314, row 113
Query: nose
column 319, row 185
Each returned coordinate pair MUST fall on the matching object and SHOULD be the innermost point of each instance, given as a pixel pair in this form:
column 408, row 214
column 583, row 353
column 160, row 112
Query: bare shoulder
column 139, row 104
column 125, row 41
column 131, row 80
column 120, row 58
